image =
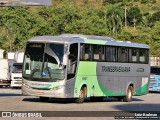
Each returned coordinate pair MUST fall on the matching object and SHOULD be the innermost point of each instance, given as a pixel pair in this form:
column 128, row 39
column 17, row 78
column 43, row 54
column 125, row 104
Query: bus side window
column 111, row 54
column 142, row 56
column 122, row 54
column 95, row 53
column 101, row 53
column 98, row 53
column 133, row 55
column 87, row 52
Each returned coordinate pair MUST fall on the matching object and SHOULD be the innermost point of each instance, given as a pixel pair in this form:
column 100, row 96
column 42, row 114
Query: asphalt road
column 12, row 101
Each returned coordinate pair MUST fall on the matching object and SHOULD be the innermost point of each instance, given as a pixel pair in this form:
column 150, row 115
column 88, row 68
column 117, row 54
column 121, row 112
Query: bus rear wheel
column 129, row 95
column 82, row 95
column 44, row 99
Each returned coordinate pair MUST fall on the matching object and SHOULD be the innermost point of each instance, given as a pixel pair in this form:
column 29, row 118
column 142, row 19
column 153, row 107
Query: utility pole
column 125, row 12
column 134, row 22
column 125, row 15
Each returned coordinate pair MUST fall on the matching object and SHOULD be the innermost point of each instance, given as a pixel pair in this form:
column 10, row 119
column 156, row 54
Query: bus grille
column 17, row 77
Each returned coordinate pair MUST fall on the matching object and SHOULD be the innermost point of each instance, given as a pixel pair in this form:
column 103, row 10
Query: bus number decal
column 84, row 78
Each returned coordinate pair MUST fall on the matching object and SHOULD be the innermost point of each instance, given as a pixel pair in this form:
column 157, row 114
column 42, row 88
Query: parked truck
column 16, row 73
column 5, row 72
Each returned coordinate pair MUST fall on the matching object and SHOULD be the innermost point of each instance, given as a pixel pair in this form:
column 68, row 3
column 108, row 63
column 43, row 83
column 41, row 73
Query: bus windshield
column 42, row 62
column 155, row 71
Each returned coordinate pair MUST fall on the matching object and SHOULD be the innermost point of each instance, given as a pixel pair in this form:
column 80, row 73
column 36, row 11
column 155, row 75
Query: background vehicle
column 5, row 75
column 80, row 66
column 16, row 73
column 154, row 84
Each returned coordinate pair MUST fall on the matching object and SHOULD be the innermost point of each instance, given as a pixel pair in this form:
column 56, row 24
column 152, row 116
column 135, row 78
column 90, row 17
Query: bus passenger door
column 71, row 69
column 72, row 62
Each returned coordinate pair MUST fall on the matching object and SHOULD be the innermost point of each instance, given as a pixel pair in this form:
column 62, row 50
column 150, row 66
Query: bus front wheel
column 82, row 95
column 129, row 95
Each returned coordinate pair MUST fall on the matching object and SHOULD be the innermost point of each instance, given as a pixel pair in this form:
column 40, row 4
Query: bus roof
column 89, row 39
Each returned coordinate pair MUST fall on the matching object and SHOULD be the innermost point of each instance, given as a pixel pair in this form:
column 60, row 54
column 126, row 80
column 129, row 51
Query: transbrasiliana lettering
column 115, row 69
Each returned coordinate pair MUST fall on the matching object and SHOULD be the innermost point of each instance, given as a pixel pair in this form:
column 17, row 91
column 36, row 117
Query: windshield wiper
column 33, row 71
column 48, row 69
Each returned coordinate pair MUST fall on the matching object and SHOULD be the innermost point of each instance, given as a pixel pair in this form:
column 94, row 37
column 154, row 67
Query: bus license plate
column 40, row 93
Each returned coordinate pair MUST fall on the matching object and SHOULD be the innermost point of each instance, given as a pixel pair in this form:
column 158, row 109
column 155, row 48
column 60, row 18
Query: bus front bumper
column 60, row 93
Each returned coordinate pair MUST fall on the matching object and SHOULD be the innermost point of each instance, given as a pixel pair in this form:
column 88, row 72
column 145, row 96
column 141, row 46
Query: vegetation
column 130, row 20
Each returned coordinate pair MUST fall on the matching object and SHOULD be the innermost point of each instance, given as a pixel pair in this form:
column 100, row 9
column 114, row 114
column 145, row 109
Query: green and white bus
column 81, row 66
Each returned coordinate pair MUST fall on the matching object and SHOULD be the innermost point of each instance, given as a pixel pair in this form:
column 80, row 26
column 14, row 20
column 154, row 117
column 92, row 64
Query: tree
column 18, row 25
column 115, row 18
column 156, row 31
column 155, row 17
column 59, row 17
column 112, row 1
column 125, row 3
column 134, row 16
column 147, row 19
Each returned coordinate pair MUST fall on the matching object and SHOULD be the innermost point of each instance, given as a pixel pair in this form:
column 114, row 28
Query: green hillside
column 129, row 20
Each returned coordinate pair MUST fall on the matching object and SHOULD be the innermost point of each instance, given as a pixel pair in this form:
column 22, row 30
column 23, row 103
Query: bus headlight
column 58, row 87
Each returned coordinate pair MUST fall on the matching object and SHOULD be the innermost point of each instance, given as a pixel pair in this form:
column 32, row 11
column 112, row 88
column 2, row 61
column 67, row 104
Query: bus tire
column 44, row 99
column 129, row 95
column 82, row 95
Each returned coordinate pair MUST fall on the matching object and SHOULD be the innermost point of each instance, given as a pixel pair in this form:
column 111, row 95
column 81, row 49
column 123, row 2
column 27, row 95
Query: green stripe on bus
column 53, row 85
column 107, row 92
column 143, row 90
column 87, row 68
column 56, row 84
column 87, row 75
column 91, row 41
